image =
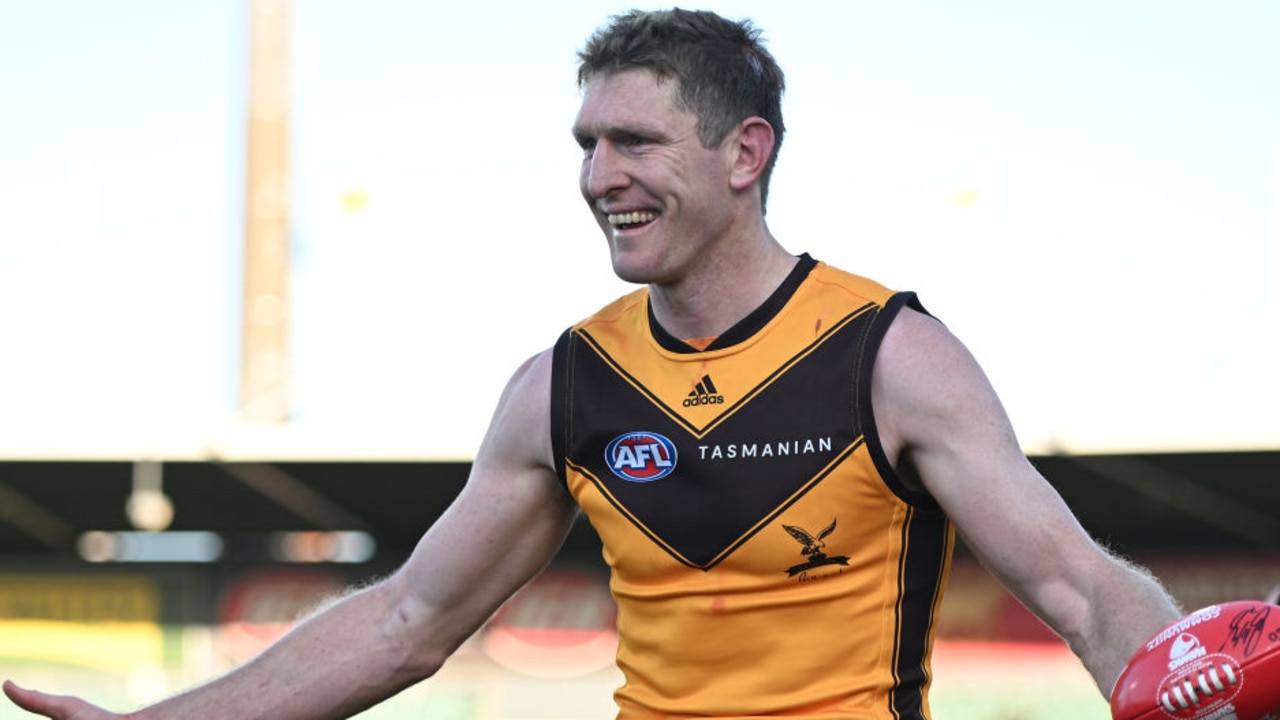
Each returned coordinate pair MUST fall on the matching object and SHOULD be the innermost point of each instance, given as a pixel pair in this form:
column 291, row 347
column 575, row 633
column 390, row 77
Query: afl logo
column 641, row 456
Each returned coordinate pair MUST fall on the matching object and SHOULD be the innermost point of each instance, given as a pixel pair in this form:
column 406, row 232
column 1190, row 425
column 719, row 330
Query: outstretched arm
column 943, row 425
column 503, row 528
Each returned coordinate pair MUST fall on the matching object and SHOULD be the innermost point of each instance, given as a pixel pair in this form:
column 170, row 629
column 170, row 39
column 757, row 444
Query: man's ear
column 752, row 145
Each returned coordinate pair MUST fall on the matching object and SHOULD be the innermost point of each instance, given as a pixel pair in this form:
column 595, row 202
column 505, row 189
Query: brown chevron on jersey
column 678, row 416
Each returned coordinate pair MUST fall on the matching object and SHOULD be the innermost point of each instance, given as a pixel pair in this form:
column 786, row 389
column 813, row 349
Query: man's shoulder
column 630, row 303
column 851, row 282
column 626, row 316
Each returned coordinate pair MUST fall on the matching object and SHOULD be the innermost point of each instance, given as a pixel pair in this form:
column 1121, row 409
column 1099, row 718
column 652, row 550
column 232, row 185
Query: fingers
column 29, row 700
column 58, row 707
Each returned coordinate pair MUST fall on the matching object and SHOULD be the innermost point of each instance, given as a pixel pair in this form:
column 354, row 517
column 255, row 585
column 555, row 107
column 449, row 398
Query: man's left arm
column 945, row 429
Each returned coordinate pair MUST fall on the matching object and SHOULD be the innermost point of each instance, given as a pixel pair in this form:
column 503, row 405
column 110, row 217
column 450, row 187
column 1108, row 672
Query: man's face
column 661, row 198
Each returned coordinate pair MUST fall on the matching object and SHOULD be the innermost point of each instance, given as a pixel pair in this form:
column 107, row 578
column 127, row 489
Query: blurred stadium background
column 265, row 266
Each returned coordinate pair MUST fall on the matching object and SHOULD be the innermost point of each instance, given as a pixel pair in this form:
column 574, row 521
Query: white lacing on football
column 1207, row 684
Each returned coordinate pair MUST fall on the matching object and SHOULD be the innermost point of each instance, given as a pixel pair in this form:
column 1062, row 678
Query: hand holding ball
column 1218, row 663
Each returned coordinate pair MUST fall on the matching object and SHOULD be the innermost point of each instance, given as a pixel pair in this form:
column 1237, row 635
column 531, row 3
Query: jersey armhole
column 871, row 347
column 561, row 366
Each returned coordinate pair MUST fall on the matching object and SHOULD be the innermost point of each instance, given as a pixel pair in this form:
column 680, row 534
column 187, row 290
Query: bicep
column 507, row 523
column 946, row 422
column 944, row 418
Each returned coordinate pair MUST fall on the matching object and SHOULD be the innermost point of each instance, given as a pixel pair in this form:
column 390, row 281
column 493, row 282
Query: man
column 776, row 454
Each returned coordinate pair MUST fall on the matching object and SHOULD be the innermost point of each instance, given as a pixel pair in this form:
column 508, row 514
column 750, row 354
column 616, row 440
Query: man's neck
column 706, row 304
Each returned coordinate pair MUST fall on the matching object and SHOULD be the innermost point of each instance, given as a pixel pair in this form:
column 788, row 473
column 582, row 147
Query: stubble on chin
column 633, row 267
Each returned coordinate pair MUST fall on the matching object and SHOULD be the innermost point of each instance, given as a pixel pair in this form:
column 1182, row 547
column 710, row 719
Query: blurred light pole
column 264, row 379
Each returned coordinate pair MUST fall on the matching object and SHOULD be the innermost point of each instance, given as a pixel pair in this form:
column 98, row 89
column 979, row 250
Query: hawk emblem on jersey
column 813, row 547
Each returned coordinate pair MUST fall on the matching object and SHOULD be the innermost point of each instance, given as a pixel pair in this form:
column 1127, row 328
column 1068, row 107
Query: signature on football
column 1247, row 630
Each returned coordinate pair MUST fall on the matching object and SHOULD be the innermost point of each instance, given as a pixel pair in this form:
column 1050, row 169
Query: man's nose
column 603, row 173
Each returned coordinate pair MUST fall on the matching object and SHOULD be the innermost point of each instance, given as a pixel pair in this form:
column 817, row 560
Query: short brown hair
column 724, row 73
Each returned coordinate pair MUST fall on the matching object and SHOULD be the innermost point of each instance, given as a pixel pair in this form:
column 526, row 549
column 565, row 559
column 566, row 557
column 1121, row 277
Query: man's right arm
column 503, row 528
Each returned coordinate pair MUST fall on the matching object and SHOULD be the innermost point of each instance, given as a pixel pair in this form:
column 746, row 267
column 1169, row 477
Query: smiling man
column 777, row 454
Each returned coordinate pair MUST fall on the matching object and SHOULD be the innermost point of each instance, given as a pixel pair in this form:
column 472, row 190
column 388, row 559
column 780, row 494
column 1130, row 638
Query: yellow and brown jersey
column 765, row 558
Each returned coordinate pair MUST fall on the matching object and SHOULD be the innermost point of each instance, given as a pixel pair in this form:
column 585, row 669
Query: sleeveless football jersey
column 764, row 556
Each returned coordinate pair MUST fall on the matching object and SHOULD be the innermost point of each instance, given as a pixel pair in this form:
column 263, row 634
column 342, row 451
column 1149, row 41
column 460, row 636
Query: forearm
column 1123, row 608
column 340, row 661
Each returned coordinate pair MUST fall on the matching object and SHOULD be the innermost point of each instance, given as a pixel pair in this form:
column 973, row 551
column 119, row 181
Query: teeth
column 631, row 218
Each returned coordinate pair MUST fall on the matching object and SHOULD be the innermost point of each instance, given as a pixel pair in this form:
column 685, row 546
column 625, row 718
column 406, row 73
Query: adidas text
column 704, row 400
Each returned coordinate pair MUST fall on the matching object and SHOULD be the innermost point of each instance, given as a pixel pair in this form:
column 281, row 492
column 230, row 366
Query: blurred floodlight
column 147, row 507
column 149, row 510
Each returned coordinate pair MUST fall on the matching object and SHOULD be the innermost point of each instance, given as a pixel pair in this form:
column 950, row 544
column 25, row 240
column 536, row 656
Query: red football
column 1218, row 663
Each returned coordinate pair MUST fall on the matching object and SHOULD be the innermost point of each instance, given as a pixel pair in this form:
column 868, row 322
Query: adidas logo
column 704, row 393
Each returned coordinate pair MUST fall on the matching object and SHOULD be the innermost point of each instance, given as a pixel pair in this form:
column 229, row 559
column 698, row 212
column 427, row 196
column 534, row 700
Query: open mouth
column 630, row 220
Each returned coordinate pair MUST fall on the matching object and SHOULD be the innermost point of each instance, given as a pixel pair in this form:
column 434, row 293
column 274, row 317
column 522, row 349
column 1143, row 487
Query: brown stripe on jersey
column 623, row 510
column 561, row 399
column 686, row 509
column 747, row 396
column 631, row 379
column 922, row 568
column 784, row 506
column 707, row 565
